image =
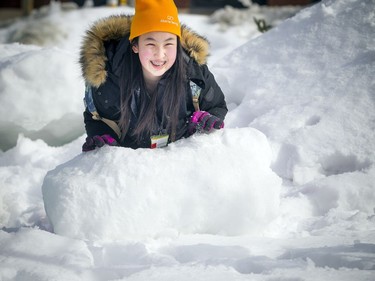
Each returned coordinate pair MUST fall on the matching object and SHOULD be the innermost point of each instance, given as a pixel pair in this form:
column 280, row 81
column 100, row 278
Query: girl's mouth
column 158, row 63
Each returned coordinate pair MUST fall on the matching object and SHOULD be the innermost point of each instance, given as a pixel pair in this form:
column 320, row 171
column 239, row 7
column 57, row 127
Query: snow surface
column 135, row 194
column 284, row 192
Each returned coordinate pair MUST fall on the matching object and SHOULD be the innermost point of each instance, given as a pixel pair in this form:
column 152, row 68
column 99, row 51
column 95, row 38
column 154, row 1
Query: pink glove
column 98, row 141
column 202, row 121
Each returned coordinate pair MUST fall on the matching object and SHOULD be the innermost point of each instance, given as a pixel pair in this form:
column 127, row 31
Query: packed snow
column 284, row 192
column 159, row 192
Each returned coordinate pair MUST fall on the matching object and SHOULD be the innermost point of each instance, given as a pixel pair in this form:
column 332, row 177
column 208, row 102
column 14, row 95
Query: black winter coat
column 102, row 51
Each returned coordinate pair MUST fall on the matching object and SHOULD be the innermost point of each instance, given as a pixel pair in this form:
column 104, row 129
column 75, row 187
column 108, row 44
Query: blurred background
column 16, row 8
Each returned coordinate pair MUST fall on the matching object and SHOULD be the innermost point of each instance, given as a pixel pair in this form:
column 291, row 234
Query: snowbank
column 40, row 95
column 66, row 257
column 218, row 184
column 308, row 86
column 22, row 170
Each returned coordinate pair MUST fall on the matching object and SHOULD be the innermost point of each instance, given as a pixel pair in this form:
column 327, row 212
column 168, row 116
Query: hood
column 93, row 57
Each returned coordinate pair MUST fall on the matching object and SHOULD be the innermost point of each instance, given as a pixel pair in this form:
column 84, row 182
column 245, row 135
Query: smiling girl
column 147, row 82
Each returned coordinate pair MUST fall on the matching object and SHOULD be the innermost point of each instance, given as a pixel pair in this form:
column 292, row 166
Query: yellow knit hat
column 155, row 15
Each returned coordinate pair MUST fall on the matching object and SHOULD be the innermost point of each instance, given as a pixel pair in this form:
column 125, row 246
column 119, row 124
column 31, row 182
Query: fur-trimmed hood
column 93, row 55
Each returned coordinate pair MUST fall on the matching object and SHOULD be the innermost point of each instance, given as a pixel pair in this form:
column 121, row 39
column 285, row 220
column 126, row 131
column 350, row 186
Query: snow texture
column 226, row 188
column 284, row 192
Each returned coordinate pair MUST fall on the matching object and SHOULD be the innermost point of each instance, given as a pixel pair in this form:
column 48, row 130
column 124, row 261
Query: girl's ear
column 135, row 48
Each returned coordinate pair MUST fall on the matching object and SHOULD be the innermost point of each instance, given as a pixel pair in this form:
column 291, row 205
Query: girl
column 147, row 82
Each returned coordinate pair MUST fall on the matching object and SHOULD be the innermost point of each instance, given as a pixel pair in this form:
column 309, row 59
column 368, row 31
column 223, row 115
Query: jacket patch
column 209, row 97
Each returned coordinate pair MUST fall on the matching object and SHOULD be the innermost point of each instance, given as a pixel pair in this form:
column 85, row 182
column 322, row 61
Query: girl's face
column 157, row 53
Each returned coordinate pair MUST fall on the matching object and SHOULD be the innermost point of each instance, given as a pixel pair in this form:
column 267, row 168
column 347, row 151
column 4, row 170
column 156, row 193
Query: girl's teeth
column 157, row 63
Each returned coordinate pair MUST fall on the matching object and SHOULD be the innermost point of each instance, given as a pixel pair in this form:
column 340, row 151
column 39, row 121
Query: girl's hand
column 202, row 121
column 98, row 141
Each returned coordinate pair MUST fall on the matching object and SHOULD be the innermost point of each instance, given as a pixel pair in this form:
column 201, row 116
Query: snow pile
column 312, row 95
column 67, row 258
column 300, row 97
column 22, row 170
column 35, row 96
column 198, row 185
column 308, row 92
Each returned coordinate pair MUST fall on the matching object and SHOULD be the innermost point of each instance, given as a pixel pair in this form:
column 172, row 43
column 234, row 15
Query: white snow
column 284, row 192
column 133, row 193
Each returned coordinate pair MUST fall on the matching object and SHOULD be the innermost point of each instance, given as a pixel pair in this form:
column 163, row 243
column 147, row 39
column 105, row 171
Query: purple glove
column 98, row 141
column 202, row 121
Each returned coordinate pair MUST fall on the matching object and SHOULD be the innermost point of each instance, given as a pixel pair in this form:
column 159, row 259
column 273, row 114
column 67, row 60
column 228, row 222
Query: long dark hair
column 174, row 95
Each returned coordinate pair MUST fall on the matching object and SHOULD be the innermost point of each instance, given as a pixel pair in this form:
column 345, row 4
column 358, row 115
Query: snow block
column 38, row 95
column 218, row 184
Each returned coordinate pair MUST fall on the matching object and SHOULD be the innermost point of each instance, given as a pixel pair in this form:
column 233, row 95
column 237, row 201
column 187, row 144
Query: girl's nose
column 159, row 52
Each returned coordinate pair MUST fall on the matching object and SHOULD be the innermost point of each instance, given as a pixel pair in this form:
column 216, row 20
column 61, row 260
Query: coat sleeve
column 96, row 127
column 93, row 126
column 212, row 98
column 104, row 99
